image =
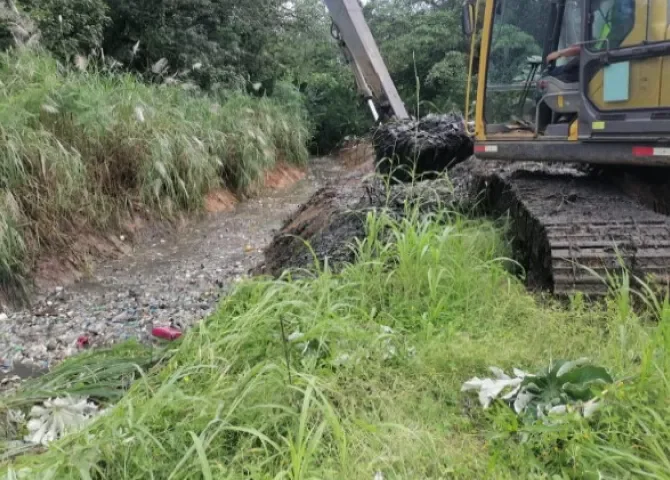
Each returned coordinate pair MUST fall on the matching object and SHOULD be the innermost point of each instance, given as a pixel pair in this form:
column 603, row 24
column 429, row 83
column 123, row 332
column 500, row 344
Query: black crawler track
column 571, row 229
column 570, row 226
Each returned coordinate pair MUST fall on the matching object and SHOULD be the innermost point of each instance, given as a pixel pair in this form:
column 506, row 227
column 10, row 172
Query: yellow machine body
column 613, row 108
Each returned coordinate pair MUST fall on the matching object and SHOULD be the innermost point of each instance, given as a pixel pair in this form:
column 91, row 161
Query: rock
column 59, row 295
column 10, row 380
column 124, row 317
column 37, row 351
column 3, row 317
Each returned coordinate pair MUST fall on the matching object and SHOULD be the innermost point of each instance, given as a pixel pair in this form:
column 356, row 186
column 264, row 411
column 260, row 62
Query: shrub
column 69, row 27
column 335, row 109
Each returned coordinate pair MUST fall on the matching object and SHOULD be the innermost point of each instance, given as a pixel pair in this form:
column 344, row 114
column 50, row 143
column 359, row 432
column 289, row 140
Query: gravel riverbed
column 173, row 280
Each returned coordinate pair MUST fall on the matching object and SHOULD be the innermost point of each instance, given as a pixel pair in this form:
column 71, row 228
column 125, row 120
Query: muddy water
column 165, row 280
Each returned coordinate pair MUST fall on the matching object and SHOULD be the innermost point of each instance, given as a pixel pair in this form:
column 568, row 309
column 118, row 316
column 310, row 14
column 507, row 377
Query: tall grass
column 79, row 149
column 368, row 380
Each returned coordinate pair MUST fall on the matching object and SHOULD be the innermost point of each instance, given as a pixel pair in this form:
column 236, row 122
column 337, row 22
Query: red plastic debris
column 83, row 341
column 166, row 333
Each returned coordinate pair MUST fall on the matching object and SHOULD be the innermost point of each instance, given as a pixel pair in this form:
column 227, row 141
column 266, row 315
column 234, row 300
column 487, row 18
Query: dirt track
column 176, row 278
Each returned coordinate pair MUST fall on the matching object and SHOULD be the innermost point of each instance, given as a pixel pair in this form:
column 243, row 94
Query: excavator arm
column 372, row 77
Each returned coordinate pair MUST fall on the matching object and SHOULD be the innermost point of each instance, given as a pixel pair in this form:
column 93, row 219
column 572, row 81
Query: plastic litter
column 166, row 333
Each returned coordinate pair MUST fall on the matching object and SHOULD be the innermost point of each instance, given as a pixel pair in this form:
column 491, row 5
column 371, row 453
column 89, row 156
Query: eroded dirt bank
column 165, row 279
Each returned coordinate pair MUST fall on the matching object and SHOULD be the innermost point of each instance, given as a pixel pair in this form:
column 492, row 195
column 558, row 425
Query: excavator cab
column 604, row 100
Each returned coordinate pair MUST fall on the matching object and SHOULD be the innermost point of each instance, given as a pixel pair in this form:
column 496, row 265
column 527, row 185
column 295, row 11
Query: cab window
column 571, row 27
column 611, row 23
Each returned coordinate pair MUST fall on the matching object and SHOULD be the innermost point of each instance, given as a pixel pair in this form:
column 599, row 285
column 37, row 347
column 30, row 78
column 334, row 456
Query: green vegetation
column 232, row 45
column 81, row 149
column 69, row 27
column 378, row 355
column 349, row 375
column 103, row 375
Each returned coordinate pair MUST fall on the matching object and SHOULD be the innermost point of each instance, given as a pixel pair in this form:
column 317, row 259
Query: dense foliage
column 224, row 45
column 69, row 27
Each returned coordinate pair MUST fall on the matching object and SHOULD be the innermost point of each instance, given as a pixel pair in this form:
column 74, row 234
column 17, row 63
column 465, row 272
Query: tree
column 424, row 49
column 510, row 49
column 217, row 42
column 69, row 27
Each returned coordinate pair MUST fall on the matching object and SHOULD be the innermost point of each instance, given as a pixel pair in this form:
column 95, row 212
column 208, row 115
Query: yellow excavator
column 595, row 92
column 606, row 102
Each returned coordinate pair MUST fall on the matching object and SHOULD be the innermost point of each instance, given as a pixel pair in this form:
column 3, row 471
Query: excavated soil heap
column 408, row 151
column 328, row 224
column 567, row 222
column 421, row 149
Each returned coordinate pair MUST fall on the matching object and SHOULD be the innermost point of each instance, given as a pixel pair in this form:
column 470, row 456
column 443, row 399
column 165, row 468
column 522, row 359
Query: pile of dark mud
column 411, row 157
column 569, row 229
column 325, row 228
column 421, row 149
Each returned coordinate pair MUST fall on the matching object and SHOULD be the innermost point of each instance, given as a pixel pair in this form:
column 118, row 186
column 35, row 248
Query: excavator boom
column 372, row 77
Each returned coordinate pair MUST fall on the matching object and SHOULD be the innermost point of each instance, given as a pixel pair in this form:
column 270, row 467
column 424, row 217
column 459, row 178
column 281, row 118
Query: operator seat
column 560, row 91
column 558, row 102
column 561, row 97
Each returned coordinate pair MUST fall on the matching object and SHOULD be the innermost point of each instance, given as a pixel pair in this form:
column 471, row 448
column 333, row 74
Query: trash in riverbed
column 166, row 333
column 563, row 387
column 57, row 417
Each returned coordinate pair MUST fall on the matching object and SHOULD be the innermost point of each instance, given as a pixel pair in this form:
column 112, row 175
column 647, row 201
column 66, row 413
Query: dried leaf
column 81, row 62
column 160, row 66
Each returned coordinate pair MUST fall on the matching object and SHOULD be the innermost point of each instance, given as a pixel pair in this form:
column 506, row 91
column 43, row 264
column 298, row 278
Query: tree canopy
column 219, row 45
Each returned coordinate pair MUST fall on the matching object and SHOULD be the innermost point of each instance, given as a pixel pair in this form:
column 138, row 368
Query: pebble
column 129, row 296
column 123, row 317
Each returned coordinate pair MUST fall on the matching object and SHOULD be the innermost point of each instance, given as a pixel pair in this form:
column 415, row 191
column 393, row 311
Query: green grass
column 359, row 398
column 103, row 375
column 79, row 150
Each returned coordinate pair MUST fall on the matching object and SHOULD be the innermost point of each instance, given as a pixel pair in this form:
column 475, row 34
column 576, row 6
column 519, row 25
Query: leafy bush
column 227, row 39
column 446, row 82
column 560, row 388
column 69, row 27
column 335, row 109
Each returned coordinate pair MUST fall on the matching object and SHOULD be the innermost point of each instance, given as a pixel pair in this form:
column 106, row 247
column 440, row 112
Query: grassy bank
column 377, row 358
column 78, row 150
